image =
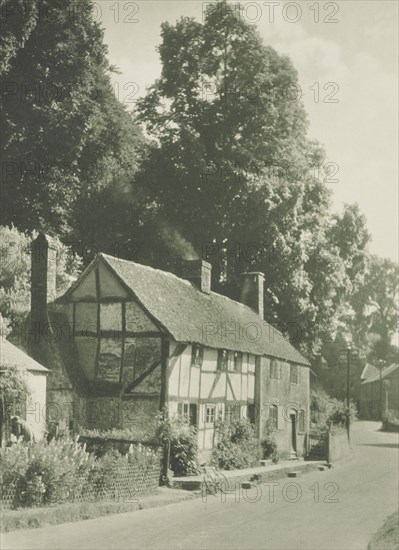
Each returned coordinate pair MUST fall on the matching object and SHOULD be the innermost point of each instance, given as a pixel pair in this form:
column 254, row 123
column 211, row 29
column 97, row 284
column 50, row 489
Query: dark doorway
column 193, row 415
column 293, row 431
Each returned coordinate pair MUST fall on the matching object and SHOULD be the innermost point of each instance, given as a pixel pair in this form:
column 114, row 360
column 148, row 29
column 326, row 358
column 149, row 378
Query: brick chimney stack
column 43, row 277
column 196, row 271
column 252, row 291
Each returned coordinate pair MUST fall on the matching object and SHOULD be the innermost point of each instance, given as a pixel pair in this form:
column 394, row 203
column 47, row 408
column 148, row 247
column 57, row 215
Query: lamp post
column 380, row 365
column 348, row 372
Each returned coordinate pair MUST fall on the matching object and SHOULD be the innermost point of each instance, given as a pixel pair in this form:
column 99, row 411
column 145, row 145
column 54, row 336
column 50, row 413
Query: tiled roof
column 190, row 315
column 385, row 372
column 10, row 354
column 369, row 370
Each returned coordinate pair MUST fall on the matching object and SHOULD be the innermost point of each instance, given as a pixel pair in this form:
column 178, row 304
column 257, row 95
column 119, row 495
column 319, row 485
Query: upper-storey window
column 197, row 355
column 237, row 361
column 294, row 374
column 275, row 369
column 223, row 359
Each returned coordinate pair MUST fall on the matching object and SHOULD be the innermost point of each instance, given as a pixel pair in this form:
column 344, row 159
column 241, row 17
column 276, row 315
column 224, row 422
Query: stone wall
column 338, row 445
column 289, row 398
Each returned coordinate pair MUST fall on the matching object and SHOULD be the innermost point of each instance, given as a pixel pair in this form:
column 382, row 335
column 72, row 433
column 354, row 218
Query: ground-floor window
column 301, row 421
column 251, row 413
column 210, row 413
column 273, row 416
column 232, row 413
column 187, row 412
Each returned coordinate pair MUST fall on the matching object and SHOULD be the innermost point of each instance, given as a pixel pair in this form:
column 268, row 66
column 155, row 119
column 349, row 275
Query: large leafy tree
column 375, row 310
column 15, row 263
column 232, row 168
column 66, row 138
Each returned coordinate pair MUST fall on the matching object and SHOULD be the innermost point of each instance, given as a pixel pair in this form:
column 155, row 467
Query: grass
column 387, row 537
column 31, row 518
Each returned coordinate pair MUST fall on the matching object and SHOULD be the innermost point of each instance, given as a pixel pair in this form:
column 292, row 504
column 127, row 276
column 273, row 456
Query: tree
column 15, row 273
column 232, row 169
column 66, row 138
column 14, row 390
column 375, row 307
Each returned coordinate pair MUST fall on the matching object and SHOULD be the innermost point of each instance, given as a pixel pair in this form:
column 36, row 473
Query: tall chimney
column 252, row 291
column 196, row 271
column 43, row 277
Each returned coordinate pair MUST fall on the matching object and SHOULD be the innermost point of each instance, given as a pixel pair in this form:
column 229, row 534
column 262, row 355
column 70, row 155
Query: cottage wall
column 279, row 395
column 209, row 393
column 36, row 405
column 370, row 404
column 122, row 370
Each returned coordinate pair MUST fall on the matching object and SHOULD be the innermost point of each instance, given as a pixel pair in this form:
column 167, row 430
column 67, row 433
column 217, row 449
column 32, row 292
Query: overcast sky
column 349, row 48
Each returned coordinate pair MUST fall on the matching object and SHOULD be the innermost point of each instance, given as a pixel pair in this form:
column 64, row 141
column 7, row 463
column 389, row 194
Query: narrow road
column 335, row 509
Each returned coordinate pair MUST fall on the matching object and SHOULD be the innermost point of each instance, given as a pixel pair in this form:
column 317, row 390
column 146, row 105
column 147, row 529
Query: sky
column 346, row 55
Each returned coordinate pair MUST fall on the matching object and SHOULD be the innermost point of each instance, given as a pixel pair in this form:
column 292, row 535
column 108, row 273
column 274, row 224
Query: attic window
column 197, row 355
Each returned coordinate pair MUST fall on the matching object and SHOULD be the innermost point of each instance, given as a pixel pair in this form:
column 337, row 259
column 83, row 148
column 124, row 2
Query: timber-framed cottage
column 126, row 340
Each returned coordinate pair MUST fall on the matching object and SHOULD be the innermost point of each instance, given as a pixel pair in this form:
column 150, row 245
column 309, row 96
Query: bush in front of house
column 180, row 442
column 326, row 410
column 63, row 471
column 236, row 446
column 42, row 471
column 101, row 442
column 390, row 422
column 269, row 445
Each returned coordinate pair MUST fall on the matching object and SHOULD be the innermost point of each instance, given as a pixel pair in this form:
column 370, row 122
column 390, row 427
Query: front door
column 293, row 432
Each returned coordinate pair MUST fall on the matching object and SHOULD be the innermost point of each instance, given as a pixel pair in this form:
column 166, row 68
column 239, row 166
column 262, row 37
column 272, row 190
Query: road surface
column 335, row 509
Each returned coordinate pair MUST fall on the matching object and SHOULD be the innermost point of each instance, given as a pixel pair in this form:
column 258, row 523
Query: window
column 187, row 412
column 294, row 374
column 273, row 412
column 210, row 413
column 237, row 361
column 183, row 411
column 223, row 359
column 251, row 413
column 197, row 354
column 275, row 369
column 301, row 421
column 232, row 413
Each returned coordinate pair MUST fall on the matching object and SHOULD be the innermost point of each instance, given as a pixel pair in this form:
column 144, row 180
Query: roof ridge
column 150, row 268
column 185, row 281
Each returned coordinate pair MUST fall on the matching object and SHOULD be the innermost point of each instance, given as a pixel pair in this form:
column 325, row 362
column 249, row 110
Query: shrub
column 237, row 447
column 62, row 470
column 326, row 410
column 101, row 442
column 180, row 438
column 268, row 444
column 390, row 423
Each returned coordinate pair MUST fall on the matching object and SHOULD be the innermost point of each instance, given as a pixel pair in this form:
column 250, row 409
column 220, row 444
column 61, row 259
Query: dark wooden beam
column 123, row 340
column 97, row 359
column 164, row 373
column 140, row 378
column 114, row 334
